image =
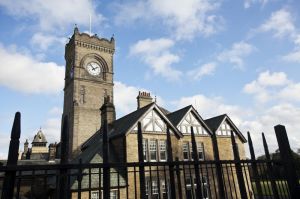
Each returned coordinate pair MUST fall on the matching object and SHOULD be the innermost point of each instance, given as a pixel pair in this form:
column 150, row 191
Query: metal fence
column 216, row 178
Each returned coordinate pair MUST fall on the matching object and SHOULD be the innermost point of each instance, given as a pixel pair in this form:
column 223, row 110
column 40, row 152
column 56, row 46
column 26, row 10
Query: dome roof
column 39, row 137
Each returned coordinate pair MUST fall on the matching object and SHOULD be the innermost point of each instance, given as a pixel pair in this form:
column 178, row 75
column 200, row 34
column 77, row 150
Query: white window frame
column 185, row 149
column 162, row 149
column 95, row 195
column 152, row 149
column 145, row 150
column 200, row 149
column 113, row 194
column 154, row 187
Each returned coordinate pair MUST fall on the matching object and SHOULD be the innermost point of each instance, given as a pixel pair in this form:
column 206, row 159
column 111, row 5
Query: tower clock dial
column 93, row 68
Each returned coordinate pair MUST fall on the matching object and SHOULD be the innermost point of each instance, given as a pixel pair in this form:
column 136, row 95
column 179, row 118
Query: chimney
column 108, row 112
column 25, row 150
column 143, row 99
column 52, row 151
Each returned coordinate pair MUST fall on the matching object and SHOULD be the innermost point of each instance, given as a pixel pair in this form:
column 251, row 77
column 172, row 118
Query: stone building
column 89, row 100
column 39, row 149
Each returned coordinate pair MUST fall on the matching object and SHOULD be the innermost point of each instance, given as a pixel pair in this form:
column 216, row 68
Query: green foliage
column 278, row 168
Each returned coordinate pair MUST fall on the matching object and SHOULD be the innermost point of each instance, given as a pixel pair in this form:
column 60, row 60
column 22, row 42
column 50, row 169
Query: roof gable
column 127, row 123
column 180, row 115
column 216, row 122
column 177, row 116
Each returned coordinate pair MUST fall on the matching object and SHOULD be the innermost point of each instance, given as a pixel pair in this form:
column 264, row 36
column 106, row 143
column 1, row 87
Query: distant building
column 39, row 149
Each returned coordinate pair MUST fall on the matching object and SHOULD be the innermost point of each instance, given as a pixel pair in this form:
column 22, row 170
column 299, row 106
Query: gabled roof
column 165, row 111
column 177, row 116
column 123, row 125
column 39, row 137
column 215, row 122
column 93, row 153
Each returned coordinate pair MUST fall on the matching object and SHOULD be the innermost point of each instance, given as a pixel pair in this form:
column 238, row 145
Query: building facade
column 88, row 101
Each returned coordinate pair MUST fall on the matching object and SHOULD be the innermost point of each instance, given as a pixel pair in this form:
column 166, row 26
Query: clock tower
column 88, row 81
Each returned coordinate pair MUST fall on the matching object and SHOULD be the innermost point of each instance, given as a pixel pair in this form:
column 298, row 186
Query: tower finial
column 76, row 30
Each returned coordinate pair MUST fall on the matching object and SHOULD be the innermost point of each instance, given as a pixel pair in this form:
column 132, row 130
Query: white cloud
column 292, row 57
column 43, row 41
column 185, row 19
column 265, row 120
column 26, row 74
column 156, row 53
column 291, row 92
column 211, row 106
column 249, row 3
column 273, row 86
column 272, row 79
column 54, row 14
column 236, row 53
column 125, row 98
column 52, row 129
column 280, row 23
column 250, row 118
column 206, row 69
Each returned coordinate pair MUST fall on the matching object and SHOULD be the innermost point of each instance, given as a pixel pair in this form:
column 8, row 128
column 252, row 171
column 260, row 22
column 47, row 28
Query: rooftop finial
column 76, row 29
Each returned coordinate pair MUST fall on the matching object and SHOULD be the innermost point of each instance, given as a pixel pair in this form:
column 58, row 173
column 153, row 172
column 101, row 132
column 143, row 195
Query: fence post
column 178, row 178
column 288, row 160
column 63, row 186
column 270, row 168
column 79, row 178
column 238, row 166
column 196, row 165
column 106, row 168
column 170, row 163
column 254, row 167
column 10, row 176
column 220, row 179
column 141, row 162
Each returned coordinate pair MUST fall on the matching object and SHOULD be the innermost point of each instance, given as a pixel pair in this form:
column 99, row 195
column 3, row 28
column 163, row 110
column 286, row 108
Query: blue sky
column 236, row 57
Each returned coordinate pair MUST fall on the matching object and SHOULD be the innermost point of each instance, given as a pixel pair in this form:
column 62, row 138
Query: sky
column 222, row 56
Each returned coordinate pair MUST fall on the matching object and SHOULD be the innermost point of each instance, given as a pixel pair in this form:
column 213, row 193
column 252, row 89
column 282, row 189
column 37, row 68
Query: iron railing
column 216, row 178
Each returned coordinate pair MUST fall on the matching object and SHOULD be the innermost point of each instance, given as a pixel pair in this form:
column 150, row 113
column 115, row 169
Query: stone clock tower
column 88, row 80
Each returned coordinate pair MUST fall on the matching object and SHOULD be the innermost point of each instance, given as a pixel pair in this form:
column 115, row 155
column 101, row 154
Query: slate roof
column 123, row 124
column 176, row 117
column 165, row 111
column 93, row 153
column 39, row 137
column 215, row 122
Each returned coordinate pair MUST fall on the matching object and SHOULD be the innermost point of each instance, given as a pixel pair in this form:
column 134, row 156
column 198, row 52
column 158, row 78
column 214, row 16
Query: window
column 200, row 149
column 82, row 94
column 162, row 150
column 153, row 150
column 164, row 189
column 154, row 189
column 185, row 150
column 147, row 187
column 191, row 187
column 94, row 195
column 113, row 194
column 205, row 187
column 145, row 150
column 224, row 129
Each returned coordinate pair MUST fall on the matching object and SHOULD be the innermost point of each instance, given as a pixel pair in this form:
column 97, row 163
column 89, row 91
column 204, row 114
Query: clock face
column 93, row 68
